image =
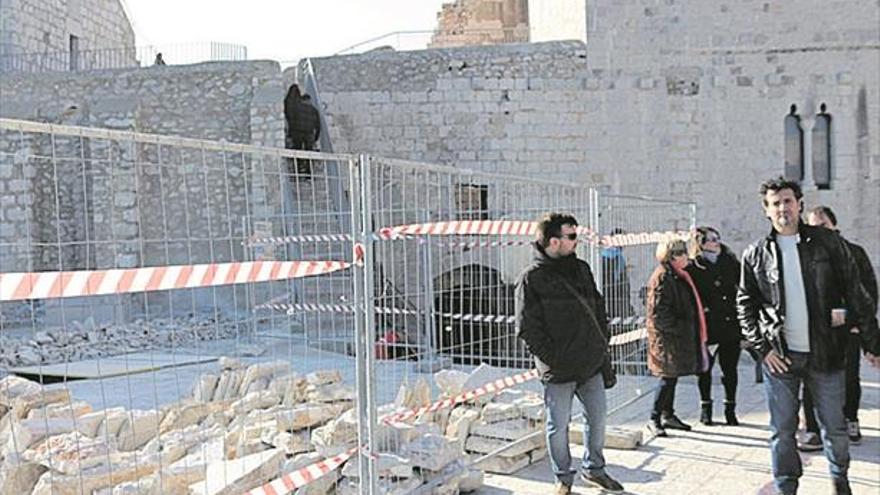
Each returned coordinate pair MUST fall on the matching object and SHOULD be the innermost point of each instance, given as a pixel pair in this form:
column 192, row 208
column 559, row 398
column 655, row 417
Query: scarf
column 704, row 329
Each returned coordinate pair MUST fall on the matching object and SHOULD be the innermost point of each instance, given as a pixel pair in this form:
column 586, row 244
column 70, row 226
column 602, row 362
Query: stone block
column 23, row 403
column 137, row 429
column 89, row 424
column 416, row 395
column 387, row 466
column 495, row 412
column 291, row 443
column 504, row 465
column 432, row 452
column 205, row 386
column 460, row 421
column 306, row 416
column 330, row 392
column 471, row 481
column 234, row 477
column 70, row 410
column 254, row 400
column 505, row 430
column 484, row 445
column 18, row 476
column 291, row 389
column 13, row 386
column 68, row 453
column 324, row 377
column 615, row 437
column 262, row 370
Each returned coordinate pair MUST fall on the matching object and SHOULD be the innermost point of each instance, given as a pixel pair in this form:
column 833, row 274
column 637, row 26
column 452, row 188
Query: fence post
column 365, row 316
column 595, row 248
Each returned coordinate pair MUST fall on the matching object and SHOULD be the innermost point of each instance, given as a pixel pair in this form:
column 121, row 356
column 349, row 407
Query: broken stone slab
column 336, row 436
column 511, row 429
column 255, row 400
column 22, row 404
column 445, row 482
column 290, row 389
column 113, row 420
column 73, row 409
column 188, row 414
column 484, row 445
column 472, row 481
column 324, row 377
column 68, row 453
column 387, row 466
column 451, row 382
column 291, row 443
column 261, row 371
column 412, row 396
column 13, row 386
column 392, row 437
column 495, row 412
column 459, row 426
column 118, row 469
column 19, row 435
column 502, row 465
column 482, row 375
column 331, row 392
column 203, row 391
column 234, row 477
column 306, row 416
column 531, row 405
column 228, row 385
column 615, row 437
column 19, row 476
column 537, row 454
column 89, row 424
column 432, row 452
column 138, row 428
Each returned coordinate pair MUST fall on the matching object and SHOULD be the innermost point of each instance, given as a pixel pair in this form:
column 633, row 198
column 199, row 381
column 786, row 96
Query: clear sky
column 283, row 30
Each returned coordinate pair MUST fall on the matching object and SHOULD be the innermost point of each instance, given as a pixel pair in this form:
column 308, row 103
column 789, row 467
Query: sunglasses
column 677, row 252
column 571, row 237
column 711, row 238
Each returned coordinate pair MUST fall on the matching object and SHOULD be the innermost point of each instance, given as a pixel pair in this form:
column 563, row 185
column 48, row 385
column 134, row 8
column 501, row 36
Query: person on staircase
column 715, row 271
column 303, row 126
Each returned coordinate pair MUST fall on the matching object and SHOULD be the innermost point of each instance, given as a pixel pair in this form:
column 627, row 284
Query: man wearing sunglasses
column 560, row 315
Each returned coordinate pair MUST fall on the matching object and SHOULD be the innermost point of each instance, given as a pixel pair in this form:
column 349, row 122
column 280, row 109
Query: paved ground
column 717, row 459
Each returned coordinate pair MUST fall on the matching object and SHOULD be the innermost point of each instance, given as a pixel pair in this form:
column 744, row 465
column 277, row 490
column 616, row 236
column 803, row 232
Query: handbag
column 609, row 377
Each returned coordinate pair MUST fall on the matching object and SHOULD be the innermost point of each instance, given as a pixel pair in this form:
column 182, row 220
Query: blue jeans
column 557, row 404
column 829, row 391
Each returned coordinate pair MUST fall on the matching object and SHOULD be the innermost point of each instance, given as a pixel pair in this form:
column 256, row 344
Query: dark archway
column 472, row 304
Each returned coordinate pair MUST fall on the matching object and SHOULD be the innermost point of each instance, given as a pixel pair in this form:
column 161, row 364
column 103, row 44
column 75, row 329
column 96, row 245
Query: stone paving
column 713, row 459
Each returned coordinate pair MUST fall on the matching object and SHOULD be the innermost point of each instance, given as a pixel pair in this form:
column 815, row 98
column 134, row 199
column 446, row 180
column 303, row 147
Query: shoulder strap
column 586, row 304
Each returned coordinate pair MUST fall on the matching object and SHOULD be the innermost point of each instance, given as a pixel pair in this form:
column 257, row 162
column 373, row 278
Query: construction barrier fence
column 188, row 316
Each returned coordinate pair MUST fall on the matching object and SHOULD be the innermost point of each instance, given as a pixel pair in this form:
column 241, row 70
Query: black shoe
column 706, row 412
column 673, row 423
column 656, row 429
column 603, row 481
column 730, row 413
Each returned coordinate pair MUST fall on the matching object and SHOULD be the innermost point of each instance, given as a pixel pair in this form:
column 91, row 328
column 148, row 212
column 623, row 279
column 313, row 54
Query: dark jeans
column 853, row 387
column 782, row 391
column 664, row 397
column 728, row 358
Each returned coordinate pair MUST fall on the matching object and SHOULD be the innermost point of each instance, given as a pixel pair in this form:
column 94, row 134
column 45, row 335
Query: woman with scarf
column 715, row 271
column 677, row 332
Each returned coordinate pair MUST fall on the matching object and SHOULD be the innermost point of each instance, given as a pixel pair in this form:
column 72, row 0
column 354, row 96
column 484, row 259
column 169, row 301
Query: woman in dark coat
column 677, row 332
column 715, row 271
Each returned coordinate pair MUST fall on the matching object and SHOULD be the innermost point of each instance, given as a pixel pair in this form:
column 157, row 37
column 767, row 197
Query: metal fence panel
column 195, row 309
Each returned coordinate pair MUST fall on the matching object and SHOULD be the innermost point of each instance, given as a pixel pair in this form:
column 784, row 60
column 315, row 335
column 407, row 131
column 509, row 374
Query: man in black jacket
column 561, row 317
column 790, row 282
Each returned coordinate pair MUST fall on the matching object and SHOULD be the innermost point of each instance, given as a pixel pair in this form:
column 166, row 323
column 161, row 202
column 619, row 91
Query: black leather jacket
column 568, row 340
column 830, row 278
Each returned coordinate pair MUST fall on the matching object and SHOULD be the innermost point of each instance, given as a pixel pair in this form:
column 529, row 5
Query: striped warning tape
column 491, row 387
column 303, row 476
column 627, row 337
column 476, row 227
column 41, row 285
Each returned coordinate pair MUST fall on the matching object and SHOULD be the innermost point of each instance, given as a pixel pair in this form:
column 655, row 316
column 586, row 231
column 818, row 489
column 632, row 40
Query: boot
column 730, row 413
column 706, row 412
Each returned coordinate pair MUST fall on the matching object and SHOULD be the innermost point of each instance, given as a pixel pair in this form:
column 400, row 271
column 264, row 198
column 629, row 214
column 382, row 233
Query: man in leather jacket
column 560, row 315
column 790, row 282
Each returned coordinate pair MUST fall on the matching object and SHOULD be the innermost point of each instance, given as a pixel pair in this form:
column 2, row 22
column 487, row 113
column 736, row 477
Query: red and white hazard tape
column 627, row 337
column 41, row 285
column 488, row 388
column 302, row 477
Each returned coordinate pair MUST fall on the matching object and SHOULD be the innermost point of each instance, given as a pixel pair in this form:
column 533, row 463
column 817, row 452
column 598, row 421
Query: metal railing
column 121, row 57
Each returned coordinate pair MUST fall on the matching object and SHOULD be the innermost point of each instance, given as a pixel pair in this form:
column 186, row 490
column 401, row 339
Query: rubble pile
column 245, row 425
column 86, row 340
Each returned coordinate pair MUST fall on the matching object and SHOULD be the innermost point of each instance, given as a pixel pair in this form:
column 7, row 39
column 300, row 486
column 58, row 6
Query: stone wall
column 706, row 126
column 119, row 203
column 553, row 20
column 45, row 27
column 481, row 22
